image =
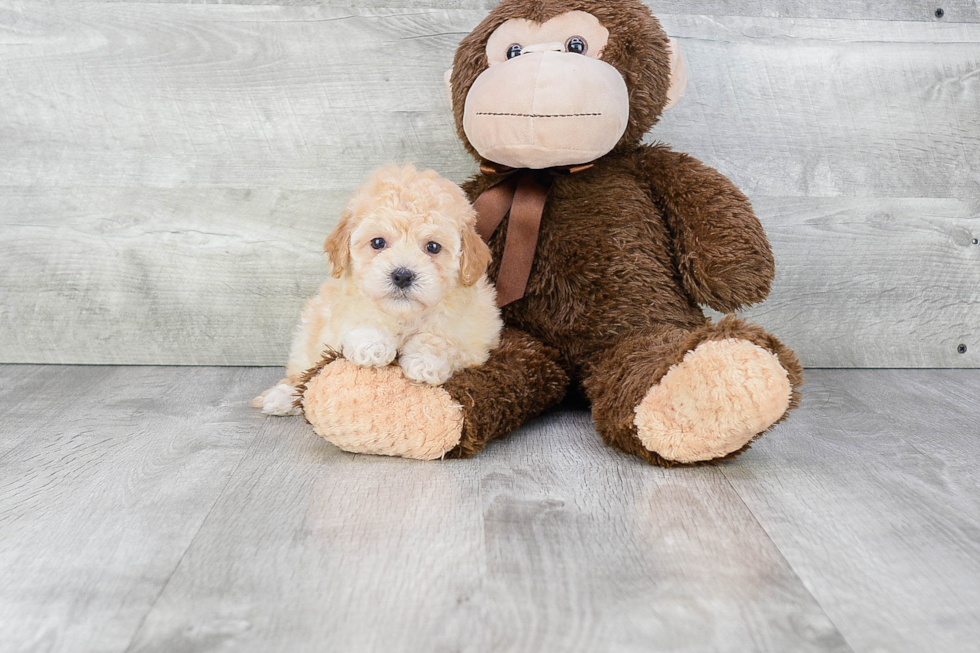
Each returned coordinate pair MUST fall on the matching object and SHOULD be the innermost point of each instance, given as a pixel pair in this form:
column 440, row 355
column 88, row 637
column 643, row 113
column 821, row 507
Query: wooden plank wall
column 168, row 170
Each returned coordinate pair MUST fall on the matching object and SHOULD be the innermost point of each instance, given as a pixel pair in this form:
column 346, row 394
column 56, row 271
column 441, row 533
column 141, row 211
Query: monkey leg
column 672, row 396
column 379, row 411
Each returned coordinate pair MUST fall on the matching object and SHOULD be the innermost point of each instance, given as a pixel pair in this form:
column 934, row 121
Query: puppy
column 408, row 281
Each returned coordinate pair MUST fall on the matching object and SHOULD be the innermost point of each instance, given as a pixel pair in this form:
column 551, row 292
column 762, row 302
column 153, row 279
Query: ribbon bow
column 522, row 193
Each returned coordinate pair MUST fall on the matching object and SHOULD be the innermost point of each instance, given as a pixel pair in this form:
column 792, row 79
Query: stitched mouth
column 540, row 115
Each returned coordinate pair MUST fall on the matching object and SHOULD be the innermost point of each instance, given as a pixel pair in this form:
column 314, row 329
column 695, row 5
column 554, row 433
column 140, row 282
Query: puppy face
column 405, row 262
column 407, row 238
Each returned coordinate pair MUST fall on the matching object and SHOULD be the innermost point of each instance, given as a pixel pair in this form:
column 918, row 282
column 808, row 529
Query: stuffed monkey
column 603, row 249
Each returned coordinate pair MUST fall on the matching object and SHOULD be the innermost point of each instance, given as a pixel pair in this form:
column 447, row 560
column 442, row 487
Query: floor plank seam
column 789, row 565
column 190, row 544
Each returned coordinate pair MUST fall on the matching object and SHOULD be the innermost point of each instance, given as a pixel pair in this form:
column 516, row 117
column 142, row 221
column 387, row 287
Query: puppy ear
column 337, row 245
column 678, row 75
column 475, row 257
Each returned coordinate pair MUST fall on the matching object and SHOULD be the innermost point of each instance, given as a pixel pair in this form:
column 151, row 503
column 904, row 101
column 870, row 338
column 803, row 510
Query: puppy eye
column 433, row 248
column 514, row 50
column 576, row 45
column 378, row 243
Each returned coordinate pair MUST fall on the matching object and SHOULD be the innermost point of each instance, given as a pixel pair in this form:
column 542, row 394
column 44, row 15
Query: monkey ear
column 678, row 75
column 448, row 78
column 337, row 245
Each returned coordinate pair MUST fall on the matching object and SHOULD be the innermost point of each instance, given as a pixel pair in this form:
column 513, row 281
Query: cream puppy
column 408, row 282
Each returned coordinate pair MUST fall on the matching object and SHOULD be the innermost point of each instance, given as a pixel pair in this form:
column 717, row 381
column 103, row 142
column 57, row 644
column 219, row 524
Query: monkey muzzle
column 546, row 109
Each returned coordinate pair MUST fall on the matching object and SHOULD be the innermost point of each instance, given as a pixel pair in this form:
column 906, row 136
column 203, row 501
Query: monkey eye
column 378, row 243
column 576, row 45
column 433, row 247
column 514, row 50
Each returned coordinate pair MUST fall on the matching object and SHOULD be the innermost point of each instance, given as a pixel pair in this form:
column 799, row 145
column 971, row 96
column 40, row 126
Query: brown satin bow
column 523, row 194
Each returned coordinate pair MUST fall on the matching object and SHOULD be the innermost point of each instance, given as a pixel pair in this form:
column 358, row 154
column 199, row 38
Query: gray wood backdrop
column 169, row 170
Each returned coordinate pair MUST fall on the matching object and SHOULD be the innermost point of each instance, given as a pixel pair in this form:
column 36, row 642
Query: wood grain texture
column 157, row 276
column 231, row 96
column 913, row 10
column 549, row 543
column 831, row 108
column 149, row 509
column 106, row 475
column 873, row 282
column 219, row 276
column 169, row 171
column 877, row 480
column 247, row 97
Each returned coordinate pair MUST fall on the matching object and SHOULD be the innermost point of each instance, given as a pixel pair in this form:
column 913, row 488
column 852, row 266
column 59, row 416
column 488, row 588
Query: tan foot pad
column 724, row 393
column 379, row 411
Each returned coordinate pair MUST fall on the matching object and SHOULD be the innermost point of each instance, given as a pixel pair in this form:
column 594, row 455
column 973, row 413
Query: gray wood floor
column 149, row 509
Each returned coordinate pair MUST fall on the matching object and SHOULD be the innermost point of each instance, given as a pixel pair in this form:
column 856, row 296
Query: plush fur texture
column 722, row 394
column 618, row 381
column 627, row 251
column 522, row 379
column 445, row 320
column 380, row 411
column 425, row 422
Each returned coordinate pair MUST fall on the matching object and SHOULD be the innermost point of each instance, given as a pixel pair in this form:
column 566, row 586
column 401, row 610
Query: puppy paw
column 279, row 401
column 426, row 368
column 370, row 354
column 368, row 348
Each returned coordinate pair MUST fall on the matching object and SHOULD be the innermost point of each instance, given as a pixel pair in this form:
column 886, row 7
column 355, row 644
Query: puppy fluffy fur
column 445, row 320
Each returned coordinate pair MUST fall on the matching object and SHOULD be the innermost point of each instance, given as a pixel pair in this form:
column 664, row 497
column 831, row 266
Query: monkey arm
column 722, row 252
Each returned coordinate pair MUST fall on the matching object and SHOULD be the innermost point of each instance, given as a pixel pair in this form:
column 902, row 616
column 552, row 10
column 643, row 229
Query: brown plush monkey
column 603, row 250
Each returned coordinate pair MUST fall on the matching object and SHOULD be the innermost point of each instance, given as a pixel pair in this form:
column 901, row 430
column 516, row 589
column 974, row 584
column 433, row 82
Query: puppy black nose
column 402, row 277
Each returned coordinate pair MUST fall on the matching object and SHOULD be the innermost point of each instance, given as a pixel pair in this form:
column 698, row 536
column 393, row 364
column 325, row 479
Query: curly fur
column 445, row 320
